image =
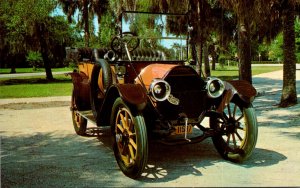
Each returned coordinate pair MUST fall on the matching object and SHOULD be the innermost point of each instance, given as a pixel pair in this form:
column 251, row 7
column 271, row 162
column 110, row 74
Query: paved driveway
column 39, row 149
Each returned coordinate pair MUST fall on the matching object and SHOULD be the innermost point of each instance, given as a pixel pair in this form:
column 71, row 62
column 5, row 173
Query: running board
column 88, row 115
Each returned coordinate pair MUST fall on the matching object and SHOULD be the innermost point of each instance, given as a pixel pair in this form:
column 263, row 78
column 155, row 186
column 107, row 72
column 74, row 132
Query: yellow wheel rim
column 126, row 137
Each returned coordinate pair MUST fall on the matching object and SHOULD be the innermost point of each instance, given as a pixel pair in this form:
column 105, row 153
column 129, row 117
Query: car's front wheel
column 130, row 139
column 238, row 132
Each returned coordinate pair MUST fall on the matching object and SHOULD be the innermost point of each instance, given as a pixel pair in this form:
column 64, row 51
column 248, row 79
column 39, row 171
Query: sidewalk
column 35, row 99
column 274, row 65
column 272, row 81
column 30, row 74
column 269, row 85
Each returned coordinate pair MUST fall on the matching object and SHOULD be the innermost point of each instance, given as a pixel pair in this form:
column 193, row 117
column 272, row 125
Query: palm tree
column 280, row 16
column 289, row 92
column 245, row 13
column 87, row 8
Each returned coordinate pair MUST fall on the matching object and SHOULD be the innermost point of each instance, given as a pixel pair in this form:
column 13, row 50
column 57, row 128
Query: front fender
column 239, row 90
column 132, row 94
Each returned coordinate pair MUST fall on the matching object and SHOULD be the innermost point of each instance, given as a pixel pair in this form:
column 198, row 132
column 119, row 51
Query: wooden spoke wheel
column 79, row 123
column 238, row 132
column 130, row 139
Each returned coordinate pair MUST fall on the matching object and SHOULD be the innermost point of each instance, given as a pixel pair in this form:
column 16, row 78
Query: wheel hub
column 122, row 137
column 232, row 124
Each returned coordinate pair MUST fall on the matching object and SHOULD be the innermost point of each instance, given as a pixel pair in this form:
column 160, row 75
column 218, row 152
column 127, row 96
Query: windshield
column 162, row 34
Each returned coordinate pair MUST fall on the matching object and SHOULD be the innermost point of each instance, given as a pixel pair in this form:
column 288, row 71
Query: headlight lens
column 160, row 89
column 215, row 87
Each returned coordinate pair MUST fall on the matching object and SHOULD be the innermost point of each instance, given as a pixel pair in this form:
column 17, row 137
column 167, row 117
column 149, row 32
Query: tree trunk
column 13, row 66
column 199, row 50
column 289, row 92
column 244, row 45
column 194, row 53
column 44, row 52
column 85, row 15
column 206, row 61
column 214, row 57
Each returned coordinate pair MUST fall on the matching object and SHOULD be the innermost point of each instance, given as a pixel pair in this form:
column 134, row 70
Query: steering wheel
column 128, row 38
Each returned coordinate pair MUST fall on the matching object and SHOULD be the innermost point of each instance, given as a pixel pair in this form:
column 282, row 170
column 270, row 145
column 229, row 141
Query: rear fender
column 81, row 89
column 240, row 91
column 133, row 95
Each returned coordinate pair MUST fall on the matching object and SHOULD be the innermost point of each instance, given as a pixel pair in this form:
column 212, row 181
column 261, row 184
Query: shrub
column 34, row 59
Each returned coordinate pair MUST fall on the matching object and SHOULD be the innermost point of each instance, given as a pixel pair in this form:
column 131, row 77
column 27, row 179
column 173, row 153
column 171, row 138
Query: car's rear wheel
column 96, row 94
column 238, row 132
column 79, row 123
column 130, row 139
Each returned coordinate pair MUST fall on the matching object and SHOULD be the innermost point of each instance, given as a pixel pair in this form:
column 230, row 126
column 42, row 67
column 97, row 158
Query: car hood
column 154, row 71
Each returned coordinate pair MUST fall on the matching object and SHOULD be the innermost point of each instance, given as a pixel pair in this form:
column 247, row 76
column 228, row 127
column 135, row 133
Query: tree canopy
column 27, row 25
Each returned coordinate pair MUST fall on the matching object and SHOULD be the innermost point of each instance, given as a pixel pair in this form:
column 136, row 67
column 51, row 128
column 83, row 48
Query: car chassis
column 141, row 97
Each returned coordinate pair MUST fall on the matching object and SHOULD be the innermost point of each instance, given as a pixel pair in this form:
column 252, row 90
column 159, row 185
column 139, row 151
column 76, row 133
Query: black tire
column 79, row 123
column 238, row 132
column 97, row 95
column 130, row 142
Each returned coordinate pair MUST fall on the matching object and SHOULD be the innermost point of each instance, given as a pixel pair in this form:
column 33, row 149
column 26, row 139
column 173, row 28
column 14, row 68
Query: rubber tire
column 135, row 170
column 79, row 127
column 94, row 88
column 249, row 142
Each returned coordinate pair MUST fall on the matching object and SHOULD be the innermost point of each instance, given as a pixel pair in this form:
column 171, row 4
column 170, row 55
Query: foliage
column 35, row 59
column 297, row 36
column 87, row 9
column 30, row 25
column 20, row 18
column 275, row 49
column 107, row 29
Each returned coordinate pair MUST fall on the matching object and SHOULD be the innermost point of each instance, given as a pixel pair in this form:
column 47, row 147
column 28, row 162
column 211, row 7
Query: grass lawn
column 35, row 87
column 23, row 87
column 30, row 70
column 232, row 72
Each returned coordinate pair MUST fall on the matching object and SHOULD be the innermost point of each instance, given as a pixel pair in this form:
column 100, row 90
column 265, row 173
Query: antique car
column 145, row 89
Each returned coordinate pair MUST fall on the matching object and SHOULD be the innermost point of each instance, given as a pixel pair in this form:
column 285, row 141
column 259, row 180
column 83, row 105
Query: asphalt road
column 40, row 149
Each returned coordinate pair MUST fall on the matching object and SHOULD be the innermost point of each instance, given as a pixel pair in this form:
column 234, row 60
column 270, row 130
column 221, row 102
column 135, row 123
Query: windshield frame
column 185, row 35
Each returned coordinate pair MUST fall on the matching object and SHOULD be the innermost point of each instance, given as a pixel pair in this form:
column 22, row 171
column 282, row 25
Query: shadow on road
column 56, row 160
column 266, row 105
column 167, row 163
column 263, row 157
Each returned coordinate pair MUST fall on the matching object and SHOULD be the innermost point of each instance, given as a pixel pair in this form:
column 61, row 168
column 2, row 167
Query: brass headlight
column 160, row 89
column 215, row 87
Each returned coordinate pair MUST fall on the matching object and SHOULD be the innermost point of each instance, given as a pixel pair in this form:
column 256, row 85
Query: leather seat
column 146, row 54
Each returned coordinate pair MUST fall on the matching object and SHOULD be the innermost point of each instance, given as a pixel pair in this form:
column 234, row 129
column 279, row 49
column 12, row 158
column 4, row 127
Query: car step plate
column 87, row 115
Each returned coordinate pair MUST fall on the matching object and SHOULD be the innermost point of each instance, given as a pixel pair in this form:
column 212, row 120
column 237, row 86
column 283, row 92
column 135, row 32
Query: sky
column 59, row 12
